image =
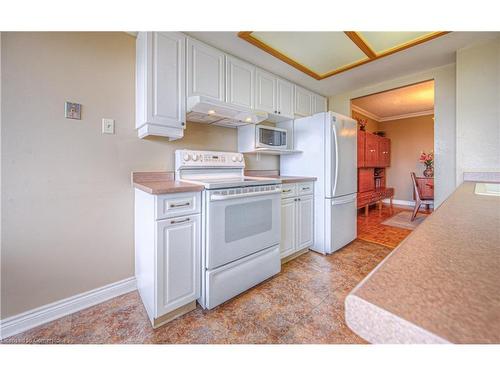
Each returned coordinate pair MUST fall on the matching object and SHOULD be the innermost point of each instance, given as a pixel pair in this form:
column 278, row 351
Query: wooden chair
column 418, row 198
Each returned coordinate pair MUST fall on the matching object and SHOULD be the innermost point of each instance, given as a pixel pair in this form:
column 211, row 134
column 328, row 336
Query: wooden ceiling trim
column 355, row 38
column 358, row 40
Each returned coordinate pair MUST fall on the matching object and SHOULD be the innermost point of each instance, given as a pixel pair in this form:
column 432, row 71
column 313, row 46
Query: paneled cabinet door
column 240, row 82
column 178, row 262
column 285, row 98
column 318, row 104
column 205, row 70
column 288, row 215
column 371, row 150
column 361, row 148
column 305, row 217
column 265, row 91
column 384, row 152
column 168, row 104
column 303, row 101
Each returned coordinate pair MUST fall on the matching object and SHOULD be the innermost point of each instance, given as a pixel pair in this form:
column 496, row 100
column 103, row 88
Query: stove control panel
column 208, row 159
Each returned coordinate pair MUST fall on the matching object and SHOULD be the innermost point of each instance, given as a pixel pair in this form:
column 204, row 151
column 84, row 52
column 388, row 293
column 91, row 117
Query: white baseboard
column 44, row 314
column 401, row 202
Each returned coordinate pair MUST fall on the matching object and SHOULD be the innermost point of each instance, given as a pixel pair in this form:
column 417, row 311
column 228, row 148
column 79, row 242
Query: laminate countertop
column 162, row 183
column 440, row 285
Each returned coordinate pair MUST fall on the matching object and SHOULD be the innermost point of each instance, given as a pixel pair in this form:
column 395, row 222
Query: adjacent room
column 395, row 161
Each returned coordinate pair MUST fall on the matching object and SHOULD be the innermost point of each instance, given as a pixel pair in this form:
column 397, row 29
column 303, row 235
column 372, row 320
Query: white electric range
column 241, row 223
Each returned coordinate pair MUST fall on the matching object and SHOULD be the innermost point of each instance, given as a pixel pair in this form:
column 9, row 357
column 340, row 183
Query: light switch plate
column 108, row 126
column 73, row 110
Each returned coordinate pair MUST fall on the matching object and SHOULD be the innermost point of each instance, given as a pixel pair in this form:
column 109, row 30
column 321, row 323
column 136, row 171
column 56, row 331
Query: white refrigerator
column 328, row 142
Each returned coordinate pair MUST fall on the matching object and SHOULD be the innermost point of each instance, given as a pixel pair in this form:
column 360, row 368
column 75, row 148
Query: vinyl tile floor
column 302, row 304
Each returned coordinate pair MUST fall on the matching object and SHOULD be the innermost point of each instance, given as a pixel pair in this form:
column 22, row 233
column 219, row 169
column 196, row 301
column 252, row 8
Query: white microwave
column 270, row 137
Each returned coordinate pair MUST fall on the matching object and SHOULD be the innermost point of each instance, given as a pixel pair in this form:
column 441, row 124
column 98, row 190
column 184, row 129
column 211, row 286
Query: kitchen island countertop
column 441, row 284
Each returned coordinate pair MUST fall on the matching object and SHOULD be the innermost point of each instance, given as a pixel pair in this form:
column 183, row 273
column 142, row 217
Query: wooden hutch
column 374, row 155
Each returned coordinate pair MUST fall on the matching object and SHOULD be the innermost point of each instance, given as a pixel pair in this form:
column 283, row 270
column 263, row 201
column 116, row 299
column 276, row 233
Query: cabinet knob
column 279, row 112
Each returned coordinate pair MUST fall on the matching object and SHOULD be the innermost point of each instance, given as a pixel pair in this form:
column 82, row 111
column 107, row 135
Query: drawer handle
column 179, row 221
column 173, row 205
column 305, row 188
column 286, row 191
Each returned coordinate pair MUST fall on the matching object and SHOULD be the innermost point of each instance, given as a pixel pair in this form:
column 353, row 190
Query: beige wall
column 67, row 218
column 478, row 108
column 444, row 115
column 371, row 125
column 408, row 138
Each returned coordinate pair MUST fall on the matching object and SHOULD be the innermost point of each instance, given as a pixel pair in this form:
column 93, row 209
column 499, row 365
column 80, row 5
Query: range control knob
column 195, row 157
column 233, row 158
column 240, row 158
column 186, row 157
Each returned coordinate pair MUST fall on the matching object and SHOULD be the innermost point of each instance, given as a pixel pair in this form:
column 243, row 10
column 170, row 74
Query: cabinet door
column 305, row 217
column 205, row 70
column 366, row 179
column 168, row 104
column 288, row 219
column 285, row 98
column 265, row 91
column 178, row 262
column 318, row 104
column 384, row 152
column 303, row 101
column 240, row 82
column 371, row 150
column 361, row 149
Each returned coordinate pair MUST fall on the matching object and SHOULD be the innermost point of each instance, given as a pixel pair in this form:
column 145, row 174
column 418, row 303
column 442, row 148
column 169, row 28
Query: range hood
column 210, row 111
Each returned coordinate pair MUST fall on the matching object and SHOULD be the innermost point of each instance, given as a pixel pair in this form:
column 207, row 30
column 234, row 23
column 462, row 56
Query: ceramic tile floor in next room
column 303, row 304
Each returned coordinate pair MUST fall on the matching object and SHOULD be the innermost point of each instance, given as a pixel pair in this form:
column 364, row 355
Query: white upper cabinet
column 303, row 101
column 265, row 91
column 205, row 70
column 273, row 95
column 240, row 82
column 285, row 97
column 160, row 84
column 319, row 104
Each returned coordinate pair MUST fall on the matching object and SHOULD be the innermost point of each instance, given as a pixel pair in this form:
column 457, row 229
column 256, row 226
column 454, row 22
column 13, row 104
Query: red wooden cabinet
column 371, row 150
column 361, row 148
column 384, row 152
column 366, row 180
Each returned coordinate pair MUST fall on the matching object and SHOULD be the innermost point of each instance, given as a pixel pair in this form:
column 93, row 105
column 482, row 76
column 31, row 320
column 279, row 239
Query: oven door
column 241, row 224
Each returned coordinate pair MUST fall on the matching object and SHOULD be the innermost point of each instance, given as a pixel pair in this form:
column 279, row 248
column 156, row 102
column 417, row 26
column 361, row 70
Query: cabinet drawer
column 172, row 205
column 288, row 190
column 305, row 188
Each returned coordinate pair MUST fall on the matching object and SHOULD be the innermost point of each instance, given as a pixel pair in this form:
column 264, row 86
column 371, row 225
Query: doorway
column 395, row 138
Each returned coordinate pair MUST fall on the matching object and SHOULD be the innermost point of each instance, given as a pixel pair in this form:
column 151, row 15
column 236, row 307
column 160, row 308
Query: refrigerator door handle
column 349, row 199
column 336, row 174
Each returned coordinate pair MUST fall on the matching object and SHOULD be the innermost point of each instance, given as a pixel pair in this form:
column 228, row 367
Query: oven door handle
column 219, row 197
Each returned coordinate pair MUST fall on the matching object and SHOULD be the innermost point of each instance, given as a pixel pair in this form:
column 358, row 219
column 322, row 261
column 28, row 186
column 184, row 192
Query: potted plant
column 428, row 160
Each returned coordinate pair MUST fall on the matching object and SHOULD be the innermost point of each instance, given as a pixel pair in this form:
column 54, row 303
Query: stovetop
column 232, row 182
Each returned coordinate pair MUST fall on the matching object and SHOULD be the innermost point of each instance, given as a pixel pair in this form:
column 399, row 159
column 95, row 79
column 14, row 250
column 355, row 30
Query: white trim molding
column 44, row 314
column 390, row 118
column 400, row 202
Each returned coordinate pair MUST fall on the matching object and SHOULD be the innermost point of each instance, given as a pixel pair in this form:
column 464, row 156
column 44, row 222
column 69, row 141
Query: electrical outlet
column 108, row 126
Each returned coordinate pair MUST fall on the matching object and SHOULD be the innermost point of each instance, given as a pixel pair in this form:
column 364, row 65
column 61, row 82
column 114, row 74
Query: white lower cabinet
column 297, row 218
column 305, row 207
column 288, row 226
column 167, row 256
column 178, row 262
